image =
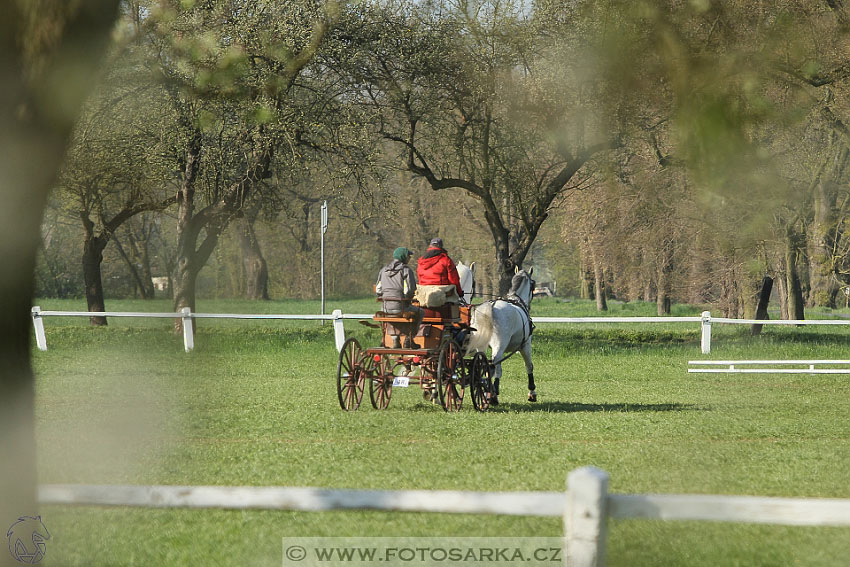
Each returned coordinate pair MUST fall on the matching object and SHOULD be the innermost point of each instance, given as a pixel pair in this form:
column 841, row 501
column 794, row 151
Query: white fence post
column 586, row 517
column 339, row 329
column 705, row 343
column 188, row 335
column 38, row 323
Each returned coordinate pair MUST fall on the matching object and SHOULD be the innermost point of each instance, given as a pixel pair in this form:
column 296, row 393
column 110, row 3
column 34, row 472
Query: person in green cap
column 396, row 286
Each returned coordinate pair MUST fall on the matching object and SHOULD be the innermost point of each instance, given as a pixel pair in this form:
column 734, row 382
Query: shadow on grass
column 591, row 340
column 576, row 407
column 800, row 337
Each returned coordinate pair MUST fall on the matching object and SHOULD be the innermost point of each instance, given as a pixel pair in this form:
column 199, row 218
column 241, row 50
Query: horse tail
column 482, row 322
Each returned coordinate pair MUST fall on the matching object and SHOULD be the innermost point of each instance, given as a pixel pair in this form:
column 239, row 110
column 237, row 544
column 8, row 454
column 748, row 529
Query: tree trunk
column 585, row 282
column 505, row 270
column 32, row 143
column 185, row 273
column 824, row 288
column 185, row 279
column 256, row 270
column 782, row 292
column 647, row 290
column 729, row 295
column 92, row 261
column 599, row 284
column 599, row 287
column 211, row 220
column 792, row 277
column 750, row 295
column 662, row 298
column 663, row 304
column 25, row 187
column 764, row 299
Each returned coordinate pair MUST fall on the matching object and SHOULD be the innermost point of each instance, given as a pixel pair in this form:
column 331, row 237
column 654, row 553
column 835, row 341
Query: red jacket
column 436, row 268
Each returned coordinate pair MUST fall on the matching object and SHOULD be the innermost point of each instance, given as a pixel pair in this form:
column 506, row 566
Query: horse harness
column 516, row 301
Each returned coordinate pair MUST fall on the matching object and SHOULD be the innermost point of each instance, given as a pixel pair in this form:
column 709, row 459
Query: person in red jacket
column 436, row 268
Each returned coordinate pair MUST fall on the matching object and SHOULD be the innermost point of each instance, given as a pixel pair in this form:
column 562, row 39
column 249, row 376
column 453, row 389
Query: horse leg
column 497, row 375
column 529, row 368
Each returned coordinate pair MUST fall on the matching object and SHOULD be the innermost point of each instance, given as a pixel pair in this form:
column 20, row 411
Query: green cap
column 401, row 253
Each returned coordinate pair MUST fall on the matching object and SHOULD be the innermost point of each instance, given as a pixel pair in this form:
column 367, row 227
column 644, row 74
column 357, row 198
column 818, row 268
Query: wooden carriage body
column 429, row 334
column 433, row 359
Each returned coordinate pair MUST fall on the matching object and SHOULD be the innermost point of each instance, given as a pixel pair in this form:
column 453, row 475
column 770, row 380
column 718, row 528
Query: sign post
column 324, row 230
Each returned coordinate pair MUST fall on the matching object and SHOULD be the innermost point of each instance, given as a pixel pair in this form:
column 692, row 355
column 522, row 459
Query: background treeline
column 639, row 150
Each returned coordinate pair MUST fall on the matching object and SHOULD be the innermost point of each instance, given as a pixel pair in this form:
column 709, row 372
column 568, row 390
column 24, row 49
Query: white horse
column 467, row 279
column 505, row 326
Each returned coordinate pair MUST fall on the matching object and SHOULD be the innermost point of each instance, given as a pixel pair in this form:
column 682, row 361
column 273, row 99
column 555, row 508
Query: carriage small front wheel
column 451, row 376
column 351, row 373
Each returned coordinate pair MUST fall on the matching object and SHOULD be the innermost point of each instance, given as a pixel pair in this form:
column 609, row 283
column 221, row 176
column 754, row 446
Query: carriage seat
column 404, row 317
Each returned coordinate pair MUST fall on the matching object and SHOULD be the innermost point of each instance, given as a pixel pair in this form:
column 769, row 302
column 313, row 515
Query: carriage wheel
column 451, row 376
column 481, row 387
column 350, row 375
column 381, row 384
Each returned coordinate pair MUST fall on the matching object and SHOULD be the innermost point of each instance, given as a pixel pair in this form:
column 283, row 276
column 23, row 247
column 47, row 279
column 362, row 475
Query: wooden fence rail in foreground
column 585, row 506
column 337, row 317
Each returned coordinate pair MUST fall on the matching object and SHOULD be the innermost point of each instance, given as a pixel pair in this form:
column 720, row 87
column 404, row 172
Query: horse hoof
column 494, row 400
column 532, row 396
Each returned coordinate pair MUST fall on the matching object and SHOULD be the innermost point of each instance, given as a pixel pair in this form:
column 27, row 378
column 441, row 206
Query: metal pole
column 324, row 230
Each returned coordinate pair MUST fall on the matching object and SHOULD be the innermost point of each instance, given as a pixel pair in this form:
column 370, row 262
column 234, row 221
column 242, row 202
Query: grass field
column 255, row 404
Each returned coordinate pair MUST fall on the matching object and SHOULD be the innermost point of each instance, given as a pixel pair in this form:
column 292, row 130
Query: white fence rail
column 585, row 506
column 705, row 321
column 769, row 366
column 188, row 316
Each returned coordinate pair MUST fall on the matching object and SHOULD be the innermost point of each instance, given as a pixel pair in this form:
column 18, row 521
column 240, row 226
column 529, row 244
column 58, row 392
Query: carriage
column 432, row 357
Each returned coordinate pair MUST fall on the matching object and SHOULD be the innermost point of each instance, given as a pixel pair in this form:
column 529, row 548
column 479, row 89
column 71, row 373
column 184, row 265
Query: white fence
column 585, row 506
column 187, row 316
column 769, row 366
column 705, row 321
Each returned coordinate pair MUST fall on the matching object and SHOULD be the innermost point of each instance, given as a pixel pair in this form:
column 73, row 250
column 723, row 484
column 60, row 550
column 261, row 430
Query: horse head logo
column 27, row 539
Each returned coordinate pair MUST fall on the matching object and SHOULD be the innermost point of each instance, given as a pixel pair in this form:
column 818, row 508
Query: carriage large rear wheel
column 480, row 383
column 381, row 384
column 351, row 373
column 451, row 376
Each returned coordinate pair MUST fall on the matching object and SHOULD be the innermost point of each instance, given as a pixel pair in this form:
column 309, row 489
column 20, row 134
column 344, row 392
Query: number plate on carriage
column 401, row 382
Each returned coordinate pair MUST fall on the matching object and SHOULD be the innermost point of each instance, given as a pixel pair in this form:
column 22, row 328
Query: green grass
column 255, row 404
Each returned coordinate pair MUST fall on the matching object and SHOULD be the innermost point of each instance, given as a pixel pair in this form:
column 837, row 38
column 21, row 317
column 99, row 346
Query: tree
column 39, row 43
column 112, row 173
column 478, row 99
column 738, row 97
column 231, row 88
column 136, row 252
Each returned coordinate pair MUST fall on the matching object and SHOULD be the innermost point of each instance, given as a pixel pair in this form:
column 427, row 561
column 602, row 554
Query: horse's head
column 522, row 286
column 467, row 279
